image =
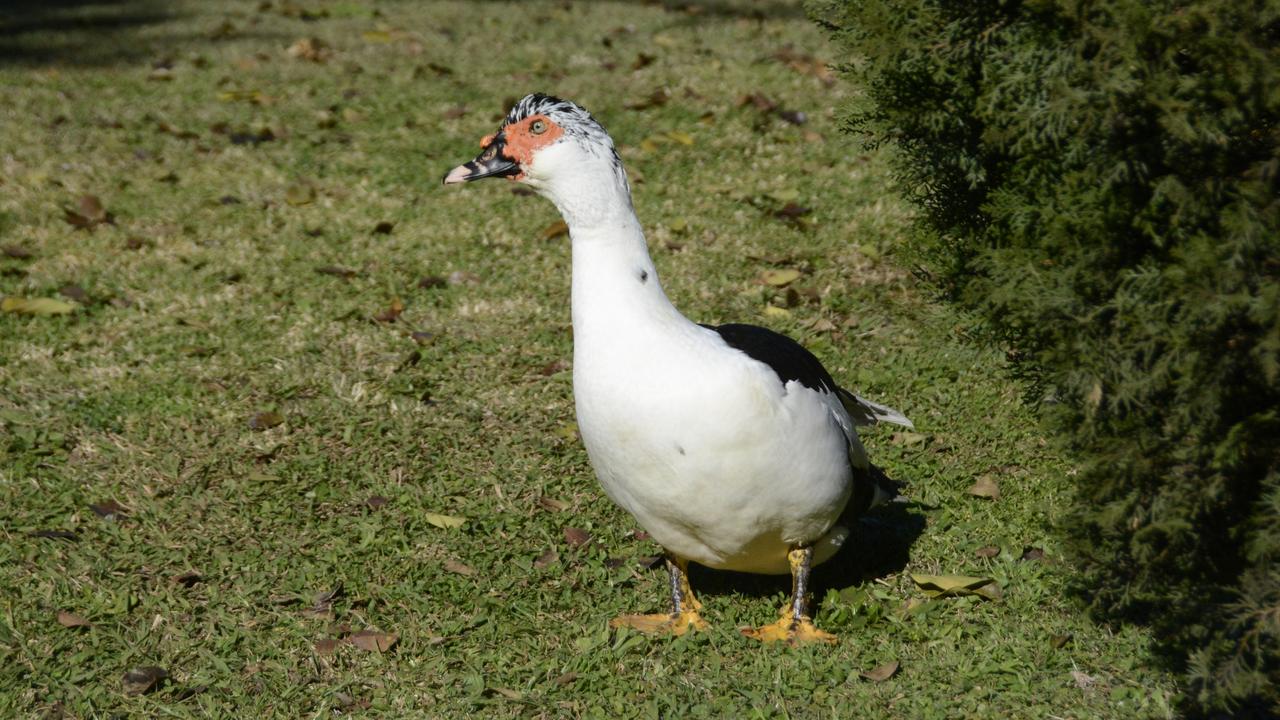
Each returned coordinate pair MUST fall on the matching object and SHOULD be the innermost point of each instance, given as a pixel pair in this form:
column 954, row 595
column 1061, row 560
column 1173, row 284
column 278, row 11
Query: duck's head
column 544, row 142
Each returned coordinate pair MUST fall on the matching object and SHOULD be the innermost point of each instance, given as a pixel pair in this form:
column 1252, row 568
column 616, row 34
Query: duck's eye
column 537, row 127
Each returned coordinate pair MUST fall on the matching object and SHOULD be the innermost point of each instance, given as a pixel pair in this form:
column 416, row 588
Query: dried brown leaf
column 576, row 537
column 454, row 566
column 373, row 641
column 142, row 680
column 300, row 193
column 546, row 559
column 986, row 486
column 108, row 510
column 882, row 672
column 265, row 420
column 987, row 551
column 326, row 646
column 392, row 312
column 337, row 271
column 71, row 620
column 552, row 504
column 554, row 230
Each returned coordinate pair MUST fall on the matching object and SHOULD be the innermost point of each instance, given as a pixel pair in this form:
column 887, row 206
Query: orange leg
column 684, row 607
column 795, row 627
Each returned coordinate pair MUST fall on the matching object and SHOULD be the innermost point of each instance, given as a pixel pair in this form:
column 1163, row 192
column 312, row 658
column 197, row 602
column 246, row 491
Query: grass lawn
column 305, row 441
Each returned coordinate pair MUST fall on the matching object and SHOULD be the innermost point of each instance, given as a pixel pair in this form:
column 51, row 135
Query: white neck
column 615, row 284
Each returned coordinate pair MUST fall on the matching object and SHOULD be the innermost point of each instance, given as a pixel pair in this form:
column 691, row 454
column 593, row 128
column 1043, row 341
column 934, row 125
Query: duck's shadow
column 879, row 545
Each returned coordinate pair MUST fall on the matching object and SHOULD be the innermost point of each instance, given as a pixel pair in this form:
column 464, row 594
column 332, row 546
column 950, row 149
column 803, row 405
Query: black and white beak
column 493, row 162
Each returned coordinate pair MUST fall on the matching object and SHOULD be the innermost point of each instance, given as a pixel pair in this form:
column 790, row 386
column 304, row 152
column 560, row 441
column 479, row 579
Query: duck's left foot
column 792, row 631
column 675, row 623
column 795, row 627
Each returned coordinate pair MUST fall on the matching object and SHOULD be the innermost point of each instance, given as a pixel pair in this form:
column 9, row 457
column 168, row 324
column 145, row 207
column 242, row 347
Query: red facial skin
column 522, row 143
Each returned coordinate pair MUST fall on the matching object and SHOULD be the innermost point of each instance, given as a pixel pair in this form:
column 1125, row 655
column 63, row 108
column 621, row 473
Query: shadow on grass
column 98, row 33
column 720, row 9
column 879, row 545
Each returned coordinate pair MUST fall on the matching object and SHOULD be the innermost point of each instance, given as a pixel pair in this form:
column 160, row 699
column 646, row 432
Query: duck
column 731, row 445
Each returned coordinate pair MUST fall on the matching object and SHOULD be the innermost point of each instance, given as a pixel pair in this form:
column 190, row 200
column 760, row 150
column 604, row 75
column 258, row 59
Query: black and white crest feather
column 577, row 122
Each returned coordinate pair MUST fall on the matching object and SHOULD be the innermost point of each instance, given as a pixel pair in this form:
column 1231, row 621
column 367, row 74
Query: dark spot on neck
column 643, row 275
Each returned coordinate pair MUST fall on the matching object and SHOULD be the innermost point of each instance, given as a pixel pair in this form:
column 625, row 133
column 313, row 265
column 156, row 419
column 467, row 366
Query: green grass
column 204, row 307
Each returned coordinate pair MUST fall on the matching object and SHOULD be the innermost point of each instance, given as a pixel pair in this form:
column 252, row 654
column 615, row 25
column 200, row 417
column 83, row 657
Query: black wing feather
column 788, row 358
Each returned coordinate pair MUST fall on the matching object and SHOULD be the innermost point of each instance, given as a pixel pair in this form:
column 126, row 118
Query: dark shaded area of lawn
column 94, row 33
column 98, row 33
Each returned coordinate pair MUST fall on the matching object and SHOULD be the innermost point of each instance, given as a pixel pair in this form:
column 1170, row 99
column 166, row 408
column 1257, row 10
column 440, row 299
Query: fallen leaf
column 546, row 559
column 552, row 504
column 432, row 281
column 337, row 271
column 300, row 193
column 444, row 521
column 88, row 213
column 265, row 420
column 454, row 566
column 956, row 586
column 576, row 537
column 109, row 510
column 142, row 680
column 75, row 292
column 463, row 277
column 986, row 486
column 373, row 641
column 376, row 501
column 758, row 101
column 42, row 307
column 554, row 230
column 383, row 228
column 508, row 693
column 987, row 551
column 780, row 277
column 882, row 672
column 657, row 98
column 392, row 312
column 908, row 438
column 649, row 562
column 1032, row 554
column 643, row 60
column 681, row 137
column 795, row 117
column 773, row 311
column 188, row 579
column 310, row 48
column 791, row 211
column 553, row 367
column 376, row 36
column 1057, row 642
column 326, row 646
column 71, row 620
column 55, row 535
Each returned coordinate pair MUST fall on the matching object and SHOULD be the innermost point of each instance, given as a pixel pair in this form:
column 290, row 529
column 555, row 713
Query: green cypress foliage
column 1098, row 182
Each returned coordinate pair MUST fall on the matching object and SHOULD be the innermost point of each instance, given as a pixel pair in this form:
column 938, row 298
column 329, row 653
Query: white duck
column 730, row 445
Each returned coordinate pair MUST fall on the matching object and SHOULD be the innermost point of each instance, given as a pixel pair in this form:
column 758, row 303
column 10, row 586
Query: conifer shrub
column 1097, row 182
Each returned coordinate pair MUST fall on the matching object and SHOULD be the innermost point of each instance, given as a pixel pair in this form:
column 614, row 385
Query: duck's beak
column 492, row 162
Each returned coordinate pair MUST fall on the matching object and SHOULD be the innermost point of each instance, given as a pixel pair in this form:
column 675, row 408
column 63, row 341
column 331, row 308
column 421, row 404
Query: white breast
column 717, row 459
